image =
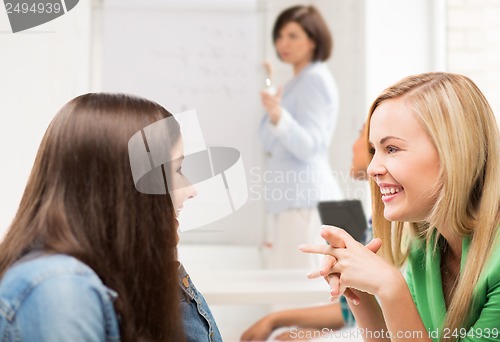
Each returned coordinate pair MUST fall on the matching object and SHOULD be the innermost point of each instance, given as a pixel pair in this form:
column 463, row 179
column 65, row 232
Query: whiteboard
column 202, row 57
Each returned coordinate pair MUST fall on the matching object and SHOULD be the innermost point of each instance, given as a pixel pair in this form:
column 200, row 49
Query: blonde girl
column 435, row 181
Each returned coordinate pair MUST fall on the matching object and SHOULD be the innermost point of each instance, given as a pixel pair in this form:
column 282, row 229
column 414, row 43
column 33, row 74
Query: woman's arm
column 401, row 315
column 317, row 317
column 312, row 124
column 396, row 315
column 371, row 276
column 368, row 314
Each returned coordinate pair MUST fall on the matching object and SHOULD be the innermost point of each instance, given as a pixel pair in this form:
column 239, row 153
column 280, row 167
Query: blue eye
column 391, row 149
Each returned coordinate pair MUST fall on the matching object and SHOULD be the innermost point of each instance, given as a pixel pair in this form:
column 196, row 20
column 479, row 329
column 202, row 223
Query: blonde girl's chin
column 391, row 215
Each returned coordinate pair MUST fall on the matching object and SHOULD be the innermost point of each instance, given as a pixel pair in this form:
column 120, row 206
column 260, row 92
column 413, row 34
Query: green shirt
column 424, row 281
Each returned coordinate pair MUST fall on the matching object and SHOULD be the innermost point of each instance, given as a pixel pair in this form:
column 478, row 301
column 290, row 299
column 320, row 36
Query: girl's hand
column 352, row 264
column 333, row 279
column 260, row 330
column 272, row 104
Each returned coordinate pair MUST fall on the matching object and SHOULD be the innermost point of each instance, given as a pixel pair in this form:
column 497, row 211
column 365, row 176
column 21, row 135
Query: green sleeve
column 487, row 326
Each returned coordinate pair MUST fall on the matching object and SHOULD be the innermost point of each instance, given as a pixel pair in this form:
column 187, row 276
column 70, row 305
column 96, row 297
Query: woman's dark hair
column 311, row 21
column 80, row 200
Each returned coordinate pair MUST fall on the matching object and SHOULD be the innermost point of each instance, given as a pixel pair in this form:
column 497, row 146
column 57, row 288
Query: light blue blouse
column 298, row 174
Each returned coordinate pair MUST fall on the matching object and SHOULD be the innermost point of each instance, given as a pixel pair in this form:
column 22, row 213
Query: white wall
column 42, row 68
column 48, row 65
column 474, row 45
column 400, row 38
column 347, row 22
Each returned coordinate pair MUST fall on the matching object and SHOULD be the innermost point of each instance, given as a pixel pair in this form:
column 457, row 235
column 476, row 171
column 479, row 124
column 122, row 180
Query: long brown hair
column 80, row 200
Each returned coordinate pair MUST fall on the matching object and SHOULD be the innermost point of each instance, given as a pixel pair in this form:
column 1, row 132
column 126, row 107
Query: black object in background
column 345, row 214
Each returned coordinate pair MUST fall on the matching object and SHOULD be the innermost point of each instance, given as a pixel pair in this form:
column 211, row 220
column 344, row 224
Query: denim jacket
column 198, row 321
column 55, row 298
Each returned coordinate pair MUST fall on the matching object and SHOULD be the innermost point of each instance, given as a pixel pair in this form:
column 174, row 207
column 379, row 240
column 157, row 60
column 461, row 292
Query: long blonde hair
column 461, row 124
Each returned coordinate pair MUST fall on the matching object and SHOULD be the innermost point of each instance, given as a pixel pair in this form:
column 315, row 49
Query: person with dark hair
column 296, row 133
column 313, row 25
column 88, row 257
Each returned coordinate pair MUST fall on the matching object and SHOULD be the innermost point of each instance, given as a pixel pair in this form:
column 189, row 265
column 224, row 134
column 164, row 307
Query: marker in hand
column 269, row 83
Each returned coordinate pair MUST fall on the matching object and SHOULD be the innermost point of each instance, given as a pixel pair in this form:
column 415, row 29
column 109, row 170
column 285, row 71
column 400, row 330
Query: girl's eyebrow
column 384, row 139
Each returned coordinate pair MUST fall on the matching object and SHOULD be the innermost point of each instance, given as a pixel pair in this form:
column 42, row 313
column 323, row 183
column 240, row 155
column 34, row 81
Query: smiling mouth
column 390, row 191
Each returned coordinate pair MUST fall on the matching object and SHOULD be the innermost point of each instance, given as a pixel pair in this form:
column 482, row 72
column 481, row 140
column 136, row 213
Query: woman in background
column 296, row 132
column 88, row 257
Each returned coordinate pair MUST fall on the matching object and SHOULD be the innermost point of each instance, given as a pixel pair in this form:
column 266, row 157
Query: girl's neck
column 298, row 67
column 454, row 244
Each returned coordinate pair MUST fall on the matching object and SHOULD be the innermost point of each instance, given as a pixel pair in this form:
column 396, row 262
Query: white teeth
column 390, row 191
